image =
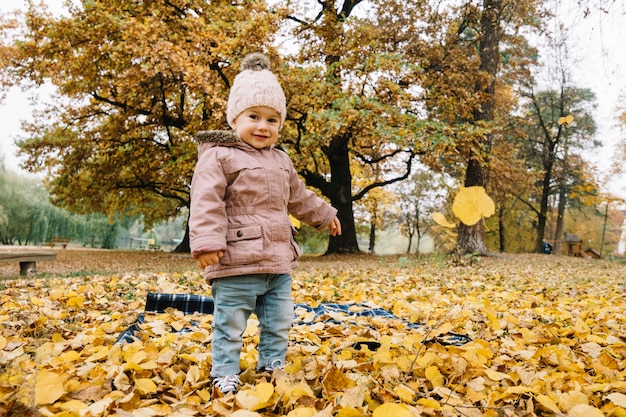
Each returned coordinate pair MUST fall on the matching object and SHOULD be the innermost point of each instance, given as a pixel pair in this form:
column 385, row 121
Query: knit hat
column 255, row 85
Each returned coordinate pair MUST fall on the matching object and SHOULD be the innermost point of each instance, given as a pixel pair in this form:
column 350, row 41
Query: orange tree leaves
column 135, row 82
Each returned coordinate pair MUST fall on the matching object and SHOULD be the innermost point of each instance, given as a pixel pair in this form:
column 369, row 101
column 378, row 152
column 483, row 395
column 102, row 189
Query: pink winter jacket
column 240, row 201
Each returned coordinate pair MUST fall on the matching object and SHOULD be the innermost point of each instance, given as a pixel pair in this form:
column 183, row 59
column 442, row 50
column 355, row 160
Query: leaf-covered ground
column 548, row 337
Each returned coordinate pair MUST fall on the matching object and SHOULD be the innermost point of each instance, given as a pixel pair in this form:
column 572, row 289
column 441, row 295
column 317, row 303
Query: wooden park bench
column 27, row 259
column 63, row 241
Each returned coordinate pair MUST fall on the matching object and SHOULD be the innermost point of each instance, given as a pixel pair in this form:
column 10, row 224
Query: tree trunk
column 543, row 209
column 340, row 194
column 471, row 239
column 372, row 244
column 346, row 242
column 558, row 233
column 501, row 230
column 184, row 246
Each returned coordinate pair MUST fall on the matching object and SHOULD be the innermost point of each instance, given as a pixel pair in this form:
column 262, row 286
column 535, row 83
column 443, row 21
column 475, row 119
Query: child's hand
column 334, row 229
column 209, row 258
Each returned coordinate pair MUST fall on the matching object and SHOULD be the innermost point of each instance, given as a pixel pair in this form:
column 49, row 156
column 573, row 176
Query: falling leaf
column 472, row 204
column 566, row 120
column 441, row 220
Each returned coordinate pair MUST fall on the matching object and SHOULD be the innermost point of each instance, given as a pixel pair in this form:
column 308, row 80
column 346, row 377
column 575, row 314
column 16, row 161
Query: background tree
column 372, row 83
column 352, row 100
column 619, row 159
column 135, row 81
column 551, row 143
column 463, row 76
column 419, row 197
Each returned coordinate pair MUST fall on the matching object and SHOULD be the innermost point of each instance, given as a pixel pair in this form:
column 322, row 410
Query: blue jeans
column 236, row 298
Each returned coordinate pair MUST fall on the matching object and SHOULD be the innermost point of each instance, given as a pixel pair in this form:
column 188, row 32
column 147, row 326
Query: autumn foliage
column 547, row 338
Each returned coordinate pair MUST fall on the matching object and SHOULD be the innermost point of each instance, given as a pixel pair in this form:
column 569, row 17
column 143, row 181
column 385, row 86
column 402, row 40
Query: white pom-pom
column 255, row 62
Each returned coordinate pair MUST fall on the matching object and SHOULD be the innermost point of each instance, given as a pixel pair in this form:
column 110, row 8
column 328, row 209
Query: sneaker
column 277, row 364
column 226, row 384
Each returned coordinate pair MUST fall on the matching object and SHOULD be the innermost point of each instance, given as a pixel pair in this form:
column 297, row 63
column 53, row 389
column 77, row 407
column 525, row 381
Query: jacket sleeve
column 306, row 206
column 207, row 215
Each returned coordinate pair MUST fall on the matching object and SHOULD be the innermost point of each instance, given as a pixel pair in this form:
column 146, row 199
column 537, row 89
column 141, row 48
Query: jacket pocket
column 296, row 248
column 244, row 245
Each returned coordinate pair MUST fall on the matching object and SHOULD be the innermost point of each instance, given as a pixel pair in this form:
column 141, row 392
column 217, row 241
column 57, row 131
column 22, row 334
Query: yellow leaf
column 472, row 204
column 36, row 301
column 404, row 393
column 204, row 395
column 294, row 222
column 391, row 410
column 245, row 413
column 193, row 375
column 101, row 352
column 570, row 399
column 70, row 356
column 72, row 405
column 149, row 365
column 136, row 357
column 145, row 386
column 584, row 410
column 264, row 391
column 302, row 412
column 618, row 412
column 441, row 220
column 548, row 403
column 352, row 398
column 48, row 387
column 3, row 342
column 99, row 407
column 429, row 403
column 496, row 376
column 76, row 301
column 347, row 412
column 581, row 327
column 255, row 399
column 434, row 376
column 191, row 358
column 617, row 398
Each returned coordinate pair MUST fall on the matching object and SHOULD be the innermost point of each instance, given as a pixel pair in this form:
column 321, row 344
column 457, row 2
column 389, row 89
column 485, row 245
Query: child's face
column 258, row 126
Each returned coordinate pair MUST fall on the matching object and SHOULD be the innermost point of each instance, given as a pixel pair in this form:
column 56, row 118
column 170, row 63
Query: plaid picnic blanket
column 191, row 303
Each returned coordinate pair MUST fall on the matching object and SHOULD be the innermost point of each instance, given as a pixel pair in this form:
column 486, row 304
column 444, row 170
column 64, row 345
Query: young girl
column 242, row 193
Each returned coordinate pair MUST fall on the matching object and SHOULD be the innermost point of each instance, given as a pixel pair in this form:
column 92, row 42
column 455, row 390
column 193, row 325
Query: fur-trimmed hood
column 219, row 137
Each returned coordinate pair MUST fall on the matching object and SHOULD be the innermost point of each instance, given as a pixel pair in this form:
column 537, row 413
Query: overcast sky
column 596, row 44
